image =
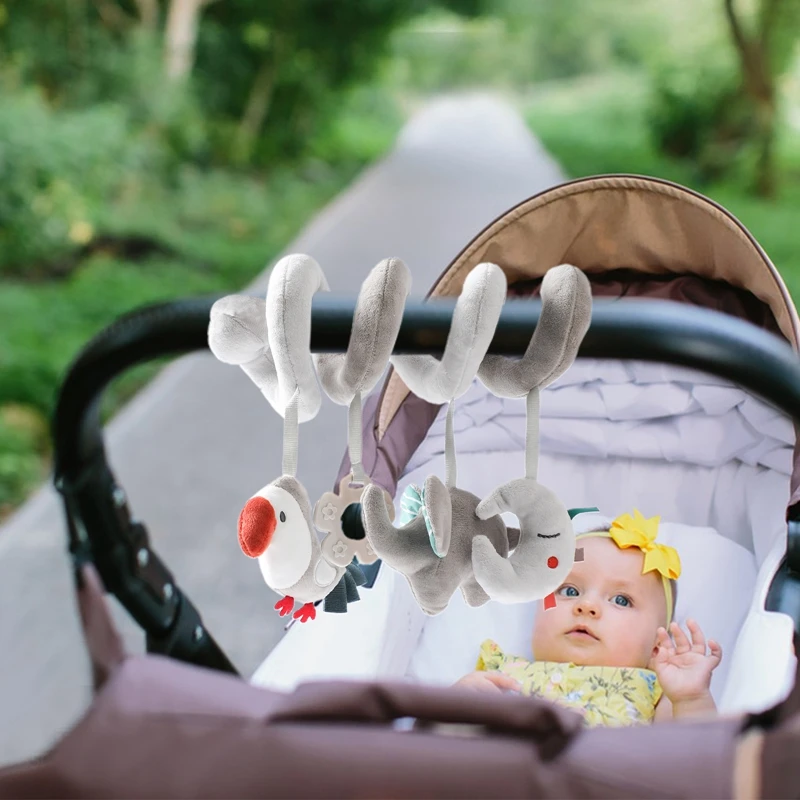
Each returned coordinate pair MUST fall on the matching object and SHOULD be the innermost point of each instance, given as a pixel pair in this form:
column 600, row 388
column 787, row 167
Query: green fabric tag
column 573, row 512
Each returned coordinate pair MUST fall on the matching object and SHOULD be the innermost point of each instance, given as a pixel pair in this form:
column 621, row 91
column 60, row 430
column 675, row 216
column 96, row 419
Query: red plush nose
column 256, row 526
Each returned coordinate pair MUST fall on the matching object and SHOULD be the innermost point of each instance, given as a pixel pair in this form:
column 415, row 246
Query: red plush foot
column 285, row 605
column 550, row 601
column 306, row 612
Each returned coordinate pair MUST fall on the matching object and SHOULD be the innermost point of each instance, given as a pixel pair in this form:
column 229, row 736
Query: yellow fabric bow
column 636, row 531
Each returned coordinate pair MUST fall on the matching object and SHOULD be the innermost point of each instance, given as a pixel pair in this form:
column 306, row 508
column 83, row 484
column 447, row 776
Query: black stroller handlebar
column 644, row 330
column 102, row 530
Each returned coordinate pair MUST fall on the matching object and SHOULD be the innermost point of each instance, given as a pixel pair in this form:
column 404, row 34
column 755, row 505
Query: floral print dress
column 609, row 696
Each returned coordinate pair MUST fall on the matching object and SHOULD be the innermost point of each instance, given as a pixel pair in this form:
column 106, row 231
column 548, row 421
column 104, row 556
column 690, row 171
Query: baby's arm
column 666, row 711
column 663, row 710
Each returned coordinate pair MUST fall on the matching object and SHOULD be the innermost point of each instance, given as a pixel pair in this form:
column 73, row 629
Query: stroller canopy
column 633, row 237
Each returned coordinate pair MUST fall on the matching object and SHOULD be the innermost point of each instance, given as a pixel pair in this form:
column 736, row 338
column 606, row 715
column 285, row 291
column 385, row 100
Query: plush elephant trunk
column 407, row 549
column 385, row 539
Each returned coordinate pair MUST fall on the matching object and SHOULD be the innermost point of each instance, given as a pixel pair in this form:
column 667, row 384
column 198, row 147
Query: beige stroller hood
column 652, row 229
column 634, row 237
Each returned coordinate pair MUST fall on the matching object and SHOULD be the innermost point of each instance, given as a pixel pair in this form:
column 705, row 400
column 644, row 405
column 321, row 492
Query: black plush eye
column 548, row 536
column 283, row 517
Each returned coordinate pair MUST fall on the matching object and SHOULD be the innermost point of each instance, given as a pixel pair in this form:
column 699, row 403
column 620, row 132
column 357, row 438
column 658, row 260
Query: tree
column 180, row 33
column 272, row 71
column 765, row 54
column 275, row 71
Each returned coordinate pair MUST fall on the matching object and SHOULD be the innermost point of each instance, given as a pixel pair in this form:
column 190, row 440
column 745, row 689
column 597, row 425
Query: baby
column 603, row 648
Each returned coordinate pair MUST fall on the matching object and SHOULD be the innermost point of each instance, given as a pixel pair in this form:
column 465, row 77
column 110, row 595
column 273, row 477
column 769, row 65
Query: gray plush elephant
column 458, row 541
column 434, row 549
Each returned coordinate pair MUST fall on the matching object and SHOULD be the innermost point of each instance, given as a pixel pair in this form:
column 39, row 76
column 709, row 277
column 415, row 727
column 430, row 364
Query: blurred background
column 151, row 149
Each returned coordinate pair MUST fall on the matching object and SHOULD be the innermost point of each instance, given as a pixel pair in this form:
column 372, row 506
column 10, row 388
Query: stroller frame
column 102, row 530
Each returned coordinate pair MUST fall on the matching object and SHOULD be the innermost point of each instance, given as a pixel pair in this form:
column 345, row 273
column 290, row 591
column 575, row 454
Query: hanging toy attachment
column 339, row 548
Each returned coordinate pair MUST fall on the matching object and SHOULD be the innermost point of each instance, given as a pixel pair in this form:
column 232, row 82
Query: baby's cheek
column 634, row 643
column 545, row 626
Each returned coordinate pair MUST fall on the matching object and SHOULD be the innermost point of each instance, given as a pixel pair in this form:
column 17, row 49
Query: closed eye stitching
column 548, row 536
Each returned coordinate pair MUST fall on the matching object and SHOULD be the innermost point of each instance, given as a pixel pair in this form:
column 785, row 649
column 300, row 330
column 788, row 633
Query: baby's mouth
column 582, row 632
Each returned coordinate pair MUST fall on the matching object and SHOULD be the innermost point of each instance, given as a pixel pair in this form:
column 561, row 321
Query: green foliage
column 225, row 231
column 295, row 60
column 710, row 106
column 89, row 124
column 441, row 51
column 269, row 77
column 364, row 128
column 779, row 26
column 698, row 114
column 20, row 465
column 568, row 38
column 221, row 231
column 597, row 125
column 212, row 230
column 56, row 170
column 519, row 43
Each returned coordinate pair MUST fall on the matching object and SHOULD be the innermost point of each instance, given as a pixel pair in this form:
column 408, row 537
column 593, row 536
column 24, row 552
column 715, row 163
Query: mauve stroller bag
column 180, row 723
column 159, row 728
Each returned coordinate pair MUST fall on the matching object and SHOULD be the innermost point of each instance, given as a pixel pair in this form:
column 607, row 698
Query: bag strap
column 549, row 726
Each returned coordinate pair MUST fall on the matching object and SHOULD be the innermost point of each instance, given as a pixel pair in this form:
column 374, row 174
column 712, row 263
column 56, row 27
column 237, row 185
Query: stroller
column 683, row 408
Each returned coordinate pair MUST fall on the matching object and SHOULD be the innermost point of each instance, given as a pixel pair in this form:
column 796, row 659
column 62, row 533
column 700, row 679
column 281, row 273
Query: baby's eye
column 568, row 591
column 621, row 600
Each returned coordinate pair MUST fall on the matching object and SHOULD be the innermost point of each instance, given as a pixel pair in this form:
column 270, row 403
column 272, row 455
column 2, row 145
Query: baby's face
column 607, row 613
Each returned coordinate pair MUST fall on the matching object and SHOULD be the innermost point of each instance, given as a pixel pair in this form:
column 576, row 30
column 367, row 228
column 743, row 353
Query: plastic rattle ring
column 337, row 548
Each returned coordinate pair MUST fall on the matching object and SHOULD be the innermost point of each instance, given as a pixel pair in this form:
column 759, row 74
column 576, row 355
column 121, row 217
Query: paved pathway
column 200, row 438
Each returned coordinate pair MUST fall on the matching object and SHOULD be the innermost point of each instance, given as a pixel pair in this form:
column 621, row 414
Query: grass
column 598, row 125
column 215, row 230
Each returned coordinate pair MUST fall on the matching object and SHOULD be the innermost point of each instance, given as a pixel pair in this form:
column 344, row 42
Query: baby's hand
column 684, row 668
column 494, row 682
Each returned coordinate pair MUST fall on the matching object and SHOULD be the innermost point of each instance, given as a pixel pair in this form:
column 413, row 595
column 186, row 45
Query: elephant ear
column 439, row 511
column 513, row 535
column 566, row 314
column 474, row 321
column 432, row 503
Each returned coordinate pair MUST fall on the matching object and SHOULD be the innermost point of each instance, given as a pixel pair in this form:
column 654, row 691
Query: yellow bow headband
column 636, row 531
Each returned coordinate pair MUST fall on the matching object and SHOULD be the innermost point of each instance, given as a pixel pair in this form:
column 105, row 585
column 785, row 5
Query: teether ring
column 337, row 547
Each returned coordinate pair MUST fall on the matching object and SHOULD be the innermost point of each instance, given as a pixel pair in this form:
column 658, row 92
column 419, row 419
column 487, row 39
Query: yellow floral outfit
column 609, row 696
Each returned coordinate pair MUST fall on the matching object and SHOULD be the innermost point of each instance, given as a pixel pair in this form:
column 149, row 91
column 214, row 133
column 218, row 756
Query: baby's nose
column 587, row 607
